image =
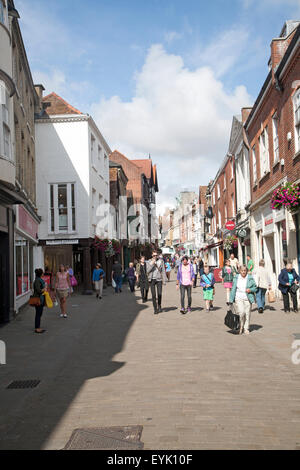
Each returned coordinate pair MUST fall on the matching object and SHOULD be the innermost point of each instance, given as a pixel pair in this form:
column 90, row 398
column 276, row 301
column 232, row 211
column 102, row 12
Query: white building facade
column 72, row 186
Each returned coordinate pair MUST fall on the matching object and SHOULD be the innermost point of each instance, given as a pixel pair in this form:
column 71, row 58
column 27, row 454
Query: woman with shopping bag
column 38, row 299
column 242, row 294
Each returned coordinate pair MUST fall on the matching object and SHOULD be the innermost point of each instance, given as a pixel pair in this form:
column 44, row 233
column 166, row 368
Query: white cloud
column 171, row 36
column 181, row 116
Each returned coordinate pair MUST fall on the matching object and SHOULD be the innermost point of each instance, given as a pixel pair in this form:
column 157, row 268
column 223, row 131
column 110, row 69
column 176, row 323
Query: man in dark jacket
column 288, row 279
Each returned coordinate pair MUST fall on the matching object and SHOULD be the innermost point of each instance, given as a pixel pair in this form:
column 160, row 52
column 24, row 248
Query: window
column 218, row 191
column 5, row 137
column 275, row 138
column 93, row 159
column 62, row 210
column 225, row 212
column 233, row 205
column 23, row 265
column 219, row 219
column 264, row 152
column 213, row 198
column 1, row 12
column 297, row 119
column 231, row 163
column 224, row 181
column 254, row 164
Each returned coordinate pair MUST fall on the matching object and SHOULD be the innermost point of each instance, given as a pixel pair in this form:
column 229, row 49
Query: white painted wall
column 63, row 155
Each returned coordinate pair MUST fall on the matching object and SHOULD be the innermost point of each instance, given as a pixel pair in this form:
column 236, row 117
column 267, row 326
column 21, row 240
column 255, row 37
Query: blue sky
column 159, row 76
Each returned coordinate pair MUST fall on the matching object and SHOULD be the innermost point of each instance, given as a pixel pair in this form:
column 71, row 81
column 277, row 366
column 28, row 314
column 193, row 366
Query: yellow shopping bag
column 48, row 300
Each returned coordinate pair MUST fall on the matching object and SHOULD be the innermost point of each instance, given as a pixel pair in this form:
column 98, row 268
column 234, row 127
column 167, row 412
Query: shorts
column 62, row 293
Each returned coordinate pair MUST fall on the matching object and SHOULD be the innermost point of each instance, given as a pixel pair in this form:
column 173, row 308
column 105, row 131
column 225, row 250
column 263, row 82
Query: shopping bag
column 232, row 320
column 271, row 296
column 48, row 300
column 73, row 281
column 113, row 283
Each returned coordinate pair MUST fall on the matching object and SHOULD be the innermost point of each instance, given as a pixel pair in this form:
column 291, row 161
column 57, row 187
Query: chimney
column 39, row 89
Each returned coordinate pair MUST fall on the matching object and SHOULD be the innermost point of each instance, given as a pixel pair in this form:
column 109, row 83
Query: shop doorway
column 4, row 278
column 269, row 252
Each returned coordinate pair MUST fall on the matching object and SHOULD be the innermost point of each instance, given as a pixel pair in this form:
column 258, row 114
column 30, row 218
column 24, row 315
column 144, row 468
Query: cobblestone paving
column 186, row 379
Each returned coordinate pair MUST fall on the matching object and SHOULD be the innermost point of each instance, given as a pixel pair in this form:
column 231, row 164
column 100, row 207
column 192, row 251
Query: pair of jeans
column 118, row 281
column 188, row 290
column 38, row 316
column 131, row 281
column 144, row 292
column 195, row 280
column 260, row 297
column 156, row 286
column 286, row 300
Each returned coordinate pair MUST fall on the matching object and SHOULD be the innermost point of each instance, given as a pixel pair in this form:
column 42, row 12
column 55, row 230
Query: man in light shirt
column 234, row 262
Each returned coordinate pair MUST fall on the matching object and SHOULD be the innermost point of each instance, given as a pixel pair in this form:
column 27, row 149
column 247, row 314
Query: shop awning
column 11, row 196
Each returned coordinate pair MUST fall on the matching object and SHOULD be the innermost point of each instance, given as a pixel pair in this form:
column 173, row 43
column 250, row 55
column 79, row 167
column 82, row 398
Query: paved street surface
column 186, row 379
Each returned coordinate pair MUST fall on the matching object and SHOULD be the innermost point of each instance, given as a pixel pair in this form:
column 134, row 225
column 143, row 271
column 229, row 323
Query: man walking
column 157, row 276
column 185, row 279
column 116, row 275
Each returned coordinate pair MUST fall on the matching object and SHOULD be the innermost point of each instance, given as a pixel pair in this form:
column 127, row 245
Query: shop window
column 22, row 267
column 284, row 240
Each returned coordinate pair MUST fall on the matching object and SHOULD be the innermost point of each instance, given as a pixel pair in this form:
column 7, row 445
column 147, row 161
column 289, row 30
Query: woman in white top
column 263, row 281
column 242, row 293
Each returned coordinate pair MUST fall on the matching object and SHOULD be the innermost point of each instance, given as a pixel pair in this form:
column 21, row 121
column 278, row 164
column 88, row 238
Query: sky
column 159, row 77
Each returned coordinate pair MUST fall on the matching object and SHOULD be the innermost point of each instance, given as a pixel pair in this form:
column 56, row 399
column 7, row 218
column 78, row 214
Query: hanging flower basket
column 108, row 247
column 230, row 242
column 287, row 196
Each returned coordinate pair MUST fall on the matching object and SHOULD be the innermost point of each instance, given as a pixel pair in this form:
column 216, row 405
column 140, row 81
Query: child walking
column 207, row 281
column 228, row 273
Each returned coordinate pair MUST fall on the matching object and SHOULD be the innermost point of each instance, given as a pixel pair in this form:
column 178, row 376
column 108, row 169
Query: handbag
column 113, row 283
column 232, row 320
column 34, row 301
column 294, row 287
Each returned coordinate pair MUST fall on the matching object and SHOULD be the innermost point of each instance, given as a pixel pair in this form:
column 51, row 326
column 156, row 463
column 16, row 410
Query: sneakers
column 246, row 332
column 65, row 315
column 260, row 310
column 189, row 309
column 61, row 315
column 182, row 310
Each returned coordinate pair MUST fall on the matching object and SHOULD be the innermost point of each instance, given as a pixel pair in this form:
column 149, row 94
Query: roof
column 58, row 105
column 145, row 165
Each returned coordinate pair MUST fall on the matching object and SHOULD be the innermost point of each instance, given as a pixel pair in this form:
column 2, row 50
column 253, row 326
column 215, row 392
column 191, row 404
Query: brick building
column 273, row 129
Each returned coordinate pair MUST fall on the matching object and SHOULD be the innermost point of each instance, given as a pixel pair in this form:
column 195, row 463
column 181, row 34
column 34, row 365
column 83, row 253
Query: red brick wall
column 281, row 102
column 225, row 195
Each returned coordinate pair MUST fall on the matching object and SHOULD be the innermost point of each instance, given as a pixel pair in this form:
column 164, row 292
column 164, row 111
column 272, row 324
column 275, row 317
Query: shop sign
column 27, row 224
column 62, row 242
column 269, row 221
column 230, row 225
column 242, row 233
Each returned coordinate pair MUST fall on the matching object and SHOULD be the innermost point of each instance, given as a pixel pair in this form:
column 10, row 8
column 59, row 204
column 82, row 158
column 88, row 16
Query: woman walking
column 263, row 282
column 228, row 273
column 288, row 280
column 195, row 269
column 185, row 279
column 130, row 272
column 207, row 281
column 62, row 288
column 142, row 278
column 38, row 290
column 242, row 294
column 98, row 276
column 168, row 269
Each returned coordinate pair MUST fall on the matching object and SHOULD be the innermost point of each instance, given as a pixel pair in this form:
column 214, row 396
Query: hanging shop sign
column 230, row 225
column 242, row 233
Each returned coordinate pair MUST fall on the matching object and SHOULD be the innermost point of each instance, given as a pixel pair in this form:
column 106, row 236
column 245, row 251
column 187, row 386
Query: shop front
column 26, row 242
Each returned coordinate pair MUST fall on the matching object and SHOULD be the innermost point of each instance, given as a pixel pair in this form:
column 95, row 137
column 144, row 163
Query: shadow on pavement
column 70, row 353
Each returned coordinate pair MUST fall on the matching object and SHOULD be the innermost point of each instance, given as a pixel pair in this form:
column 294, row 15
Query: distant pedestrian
column 131, row 276
column 195, row 269
column 250, row 264
column 234, row 263
column 116, row 275
column 168, row 269
column 38, row 290
column 177, row 263
column 228, row 273
column 185, row 280
column 62, row 288
column 157, row 277
column 207, row 281
column 263, row 282
column 98, row 278
column 242, row 294
column 142, row 278
column 288, row 285
column 200, row 267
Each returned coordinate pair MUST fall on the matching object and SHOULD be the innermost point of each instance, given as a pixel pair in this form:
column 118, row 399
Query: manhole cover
column 24, row 384
column 113, row 438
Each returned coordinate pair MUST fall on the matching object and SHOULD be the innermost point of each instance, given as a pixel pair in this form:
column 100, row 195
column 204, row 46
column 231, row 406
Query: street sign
column 242, row 233
column 230, row 225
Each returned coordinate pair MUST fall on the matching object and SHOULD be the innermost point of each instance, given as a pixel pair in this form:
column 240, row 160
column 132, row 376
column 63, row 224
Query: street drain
column 112, row 438
column 24, row 384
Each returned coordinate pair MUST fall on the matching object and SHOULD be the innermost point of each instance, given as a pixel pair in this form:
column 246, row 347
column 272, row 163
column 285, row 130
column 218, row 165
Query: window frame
column 296, row 107
column 264, row 153
column 254, row 164
column 53, row 212
column 275, row 124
